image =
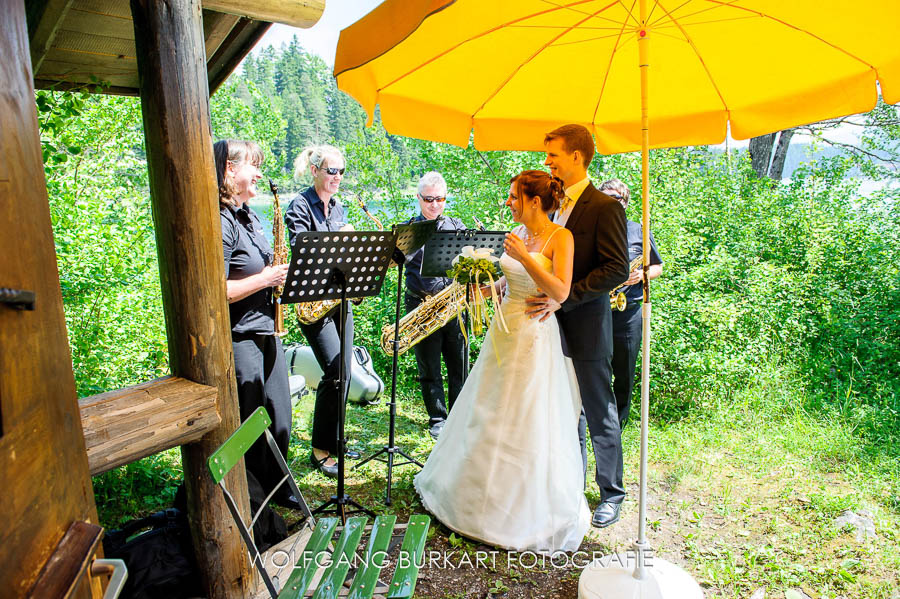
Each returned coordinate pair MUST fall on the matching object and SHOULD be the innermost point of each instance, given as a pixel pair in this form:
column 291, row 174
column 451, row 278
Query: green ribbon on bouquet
column 475, row 268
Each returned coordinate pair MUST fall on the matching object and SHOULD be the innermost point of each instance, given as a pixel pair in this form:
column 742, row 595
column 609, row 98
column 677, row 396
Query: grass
column 743, row 497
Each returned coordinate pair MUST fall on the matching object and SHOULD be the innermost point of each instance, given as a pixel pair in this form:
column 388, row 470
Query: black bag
column 160, row 561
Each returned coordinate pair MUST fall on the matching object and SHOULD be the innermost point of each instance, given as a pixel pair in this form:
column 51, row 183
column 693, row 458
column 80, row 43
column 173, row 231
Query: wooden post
column 175, row 104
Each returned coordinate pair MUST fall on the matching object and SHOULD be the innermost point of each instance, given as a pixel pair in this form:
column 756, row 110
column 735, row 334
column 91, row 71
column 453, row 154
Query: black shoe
column 351, row 453
column 607, row 513
column 435, row 429
column 329, row 471
column 289, row 501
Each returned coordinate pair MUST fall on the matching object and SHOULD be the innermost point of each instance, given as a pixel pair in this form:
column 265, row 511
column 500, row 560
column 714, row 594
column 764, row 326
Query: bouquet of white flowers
column 475, row 268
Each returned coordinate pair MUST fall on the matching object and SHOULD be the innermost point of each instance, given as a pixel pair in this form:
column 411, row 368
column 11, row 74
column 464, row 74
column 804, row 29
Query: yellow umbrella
column 508, row 71
column 513, row 70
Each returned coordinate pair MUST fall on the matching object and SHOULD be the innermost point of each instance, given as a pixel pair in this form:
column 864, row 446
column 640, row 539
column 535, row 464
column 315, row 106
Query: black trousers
column 262, row 380
column 447, row 342
column 626, row 346
column 600, row 416
column 325, row 342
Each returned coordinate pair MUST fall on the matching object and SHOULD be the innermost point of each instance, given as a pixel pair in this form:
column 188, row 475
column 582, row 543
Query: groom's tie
column 566, row 205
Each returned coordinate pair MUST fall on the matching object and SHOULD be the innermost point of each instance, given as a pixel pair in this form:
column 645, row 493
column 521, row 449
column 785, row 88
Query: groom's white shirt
column 574, row 192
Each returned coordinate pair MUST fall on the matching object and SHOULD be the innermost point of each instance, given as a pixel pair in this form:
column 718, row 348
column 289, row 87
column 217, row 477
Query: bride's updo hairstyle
column 540, row 184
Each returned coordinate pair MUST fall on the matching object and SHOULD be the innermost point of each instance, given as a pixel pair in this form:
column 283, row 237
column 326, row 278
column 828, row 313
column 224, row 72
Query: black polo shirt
column 247, row 252
column 416, row 284
column 306, row 212
column 635, row 293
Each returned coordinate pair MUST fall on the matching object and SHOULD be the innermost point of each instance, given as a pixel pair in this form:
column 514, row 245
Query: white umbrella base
column 612, row 577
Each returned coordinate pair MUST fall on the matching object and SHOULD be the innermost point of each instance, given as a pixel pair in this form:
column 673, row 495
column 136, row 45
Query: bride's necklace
column 529, row 237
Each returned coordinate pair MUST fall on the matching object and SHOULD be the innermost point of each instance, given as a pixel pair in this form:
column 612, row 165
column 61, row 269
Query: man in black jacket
column 598, row 226
column 448, row 340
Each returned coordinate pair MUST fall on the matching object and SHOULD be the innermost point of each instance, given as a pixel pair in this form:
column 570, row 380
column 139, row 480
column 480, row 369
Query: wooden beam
column 44, row 19
column 296, row 13
column 112, row 90
column 216, row 27
column 129, row 424
column 69, row 562
column 236, row 46
column 184, row 199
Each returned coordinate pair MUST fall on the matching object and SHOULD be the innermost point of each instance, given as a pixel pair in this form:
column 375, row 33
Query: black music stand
column 442, row 247
column 338, row 265
column 410, row 237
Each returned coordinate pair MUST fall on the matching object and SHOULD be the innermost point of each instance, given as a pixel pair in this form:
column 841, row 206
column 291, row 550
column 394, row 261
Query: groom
column 598, row 225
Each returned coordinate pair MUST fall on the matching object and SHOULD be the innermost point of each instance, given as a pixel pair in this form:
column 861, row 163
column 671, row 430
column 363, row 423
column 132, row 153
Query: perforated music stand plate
column 362, row 256
column 442, row 247
column 412, row 236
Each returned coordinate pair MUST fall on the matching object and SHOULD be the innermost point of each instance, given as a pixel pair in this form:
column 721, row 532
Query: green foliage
column 241, row 111
column 100, row 209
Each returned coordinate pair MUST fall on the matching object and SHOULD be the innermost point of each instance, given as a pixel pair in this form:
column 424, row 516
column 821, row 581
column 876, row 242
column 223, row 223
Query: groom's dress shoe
column 606, row 513
column 435, row 429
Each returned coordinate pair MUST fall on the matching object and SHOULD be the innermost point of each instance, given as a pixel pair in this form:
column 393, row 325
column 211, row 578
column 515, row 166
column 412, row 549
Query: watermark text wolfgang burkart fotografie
column 456, row 560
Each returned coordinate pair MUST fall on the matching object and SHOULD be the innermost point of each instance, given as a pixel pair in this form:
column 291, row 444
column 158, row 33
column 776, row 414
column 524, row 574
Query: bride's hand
column 515, row 247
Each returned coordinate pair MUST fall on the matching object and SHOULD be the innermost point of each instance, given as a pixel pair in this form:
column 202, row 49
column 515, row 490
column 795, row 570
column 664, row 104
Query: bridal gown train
column 507, row 468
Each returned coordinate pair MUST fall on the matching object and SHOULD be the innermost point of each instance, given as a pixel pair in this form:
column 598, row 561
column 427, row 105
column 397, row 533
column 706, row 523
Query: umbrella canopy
column 511, row 70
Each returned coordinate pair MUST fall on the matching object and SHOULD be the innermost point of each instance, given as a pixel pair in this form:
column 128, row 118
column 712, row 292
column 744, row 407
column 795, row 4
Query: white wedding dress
column 507, row 468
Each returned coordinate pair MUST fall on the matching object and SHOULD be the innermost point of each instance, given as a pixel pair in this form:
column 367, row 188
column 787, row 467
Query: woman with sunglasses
column 316, row 209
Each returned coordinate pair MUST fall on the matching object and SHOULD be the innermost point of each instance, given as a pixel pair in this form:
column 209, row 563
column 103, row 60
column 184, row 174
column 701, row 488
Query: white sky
column 321, row 38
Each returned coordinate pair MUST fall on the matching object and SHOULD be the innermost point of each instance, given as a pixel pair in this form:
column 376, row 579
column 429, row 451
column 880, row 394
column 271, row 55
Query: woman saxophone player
column 316, row 209
column 259, row 366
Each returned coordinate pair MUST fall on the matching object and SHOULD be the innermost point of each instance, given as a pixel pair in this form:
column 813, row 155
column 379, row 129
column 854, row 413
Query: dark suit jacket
column 601, row 262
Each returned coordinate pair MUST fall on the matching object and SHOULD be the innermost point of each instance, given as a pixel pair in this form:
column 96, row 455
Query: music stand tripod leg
column 341, row 500
column 391, row 448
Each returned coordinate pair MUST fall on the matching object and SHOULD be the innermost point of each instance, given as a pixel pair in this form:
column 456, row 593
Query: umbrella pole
column 641, row 545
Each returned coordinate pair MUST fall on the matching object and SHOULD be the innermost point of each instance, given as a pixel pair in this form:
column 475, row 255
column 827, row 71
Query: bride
column 507, row 468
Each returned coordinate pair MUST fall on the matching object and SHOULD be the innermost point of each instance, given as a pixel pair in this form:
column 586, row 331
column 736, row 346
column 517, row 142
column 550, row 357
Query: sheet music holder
column 442, row 247
column 362, row 256
column 410, row 237
column 338, row 265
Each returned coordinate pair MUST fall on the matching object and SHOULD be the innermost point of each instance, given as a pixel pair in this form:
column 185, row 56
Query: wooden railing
column 129, row 424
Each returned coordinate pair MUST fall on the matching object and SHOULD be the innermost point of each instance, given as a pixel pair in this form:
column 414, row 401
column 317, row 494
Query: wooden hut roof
column 74, row 41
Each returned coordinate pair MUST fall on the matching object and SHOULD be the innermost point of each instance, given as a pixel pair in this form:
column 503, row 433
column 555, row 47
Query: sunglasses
column 615, row 196
column 431, row 199
column 333, row 171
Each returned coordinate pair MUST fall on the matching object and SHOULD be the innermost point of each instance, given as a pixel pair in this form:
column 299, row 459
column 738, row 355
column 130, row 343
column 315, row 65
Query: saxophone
column 279, row 256
column 618, row 301
column 429, row 316
column 312, row 312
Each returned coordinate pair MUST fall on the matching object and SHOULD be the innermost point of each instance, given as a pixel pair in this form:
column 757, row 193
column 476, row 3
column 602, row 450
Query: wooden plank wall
column 96, row 38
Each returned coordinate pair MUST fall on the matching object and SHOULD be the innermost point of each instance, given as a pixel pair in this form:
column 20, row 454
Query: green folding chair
column 320, row 552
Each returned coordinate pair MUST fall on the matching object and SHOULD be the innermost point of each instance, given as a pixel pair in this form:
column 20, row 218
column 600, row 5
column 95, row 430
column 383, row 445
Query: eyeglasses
column 431, row 199
column 615, row 196
column 333, row 171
